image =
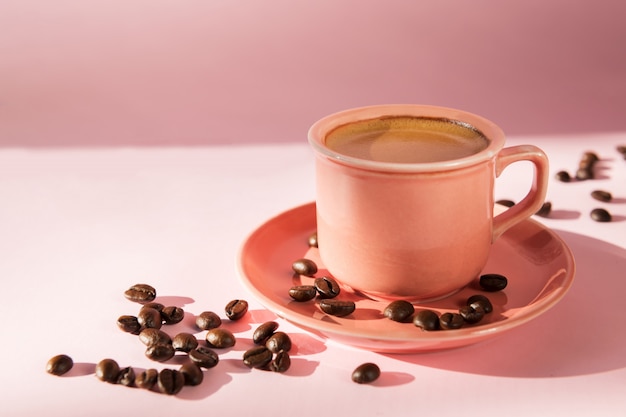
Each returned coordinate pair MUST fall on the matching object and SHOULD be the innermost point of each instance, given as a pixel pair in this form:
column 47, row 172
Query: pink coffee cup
column 401, row 229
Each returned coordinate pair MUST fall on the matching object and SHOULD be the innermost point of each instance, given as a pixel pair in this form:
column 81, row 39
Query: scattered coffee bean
column 204, row 357
column 278, row 341
column 545, row 209
column 146, row 379
column 172, row 314
column 304, row 267
column 482, row 301
column 129, row 324
column 107, row 370
column 153, row 304
column 426, row 320
column 472, row 314
column 313, row 240
column 451, row 321
column 160, row 352
column 140, row 293
column 589, row 158
column 303, row 292
column 170, row 381
column 602, row 195
column 263, row 332
column 208, row 320
column 192, row 373
column 184, row 342
column 337, row 307
column 257, row 357
column 622, row 150
column 563, row 176
column 236, row 309
column 601, row 215
column 366, row 373
column 583, row 174
column 506, row 203
column 59, row 365
column 126, row 377
column 326, row 287
column 151, row 336
column 493, row 282
column 149, row 317
column 220, row 338
column 399, row 310
column 281, row 362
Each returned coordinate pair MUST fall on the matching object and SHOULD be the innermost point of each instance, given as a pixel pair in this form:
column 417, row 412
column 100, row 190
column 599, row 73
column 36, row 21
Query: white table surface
column 79, row 226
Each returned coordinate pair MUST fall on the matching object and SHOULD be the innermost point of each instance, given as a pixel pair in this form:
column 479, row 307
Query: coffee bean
column 621, row 149
column 563, row 176
column 399, row 310
column 204, row 357
column 482, row 301
column 184, row 342
column 602, row 195
column 208, row 320
column 126, row 377
column 160, row 352
column 220, row 338
column 129, row 324
column 153, row 304
column 601, row 215
column 366, row 373
column 107, row 370
column 59, row 365
column 236, row 309
column 545, row 209
column 281, row 362
column 304, row 267
column 278, row 341
column 472, row 314
column 313, row 240
column 172, row 314
column 337, row 307
column 140, row 293
column 303, row 292
column 151, row 336
column 192, row 373
column 170, row 381
column 450, row 321
column 506, row 203
column 585, row 173
column 263, row 332
column 149, row 317
column 590, row 157
column 493, row 282
column 146, row 379
column 257, row 357
column 426, row 320
column 326, row 287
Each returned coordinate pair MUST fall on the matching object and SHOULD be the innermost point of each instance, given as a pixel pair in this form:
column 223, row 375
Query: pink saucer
column 538, row 264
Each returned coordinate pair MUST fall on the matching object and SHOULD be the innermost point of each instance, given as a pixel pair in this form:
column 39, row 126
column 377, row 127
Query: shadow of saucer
column 580, row 335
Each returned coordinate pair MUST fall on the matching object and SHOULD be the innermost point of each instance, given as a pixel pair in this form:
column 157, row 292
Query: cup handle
column 533, row 201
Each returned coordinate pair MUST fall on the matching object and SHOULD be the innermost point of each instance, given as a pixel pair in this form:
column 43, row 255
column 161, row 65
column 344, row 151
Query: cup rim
column 318, row 131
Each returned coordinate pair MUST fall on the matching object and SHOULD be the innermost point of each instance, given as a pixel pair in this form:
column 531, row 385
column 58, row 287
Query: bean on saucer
column 304, row 267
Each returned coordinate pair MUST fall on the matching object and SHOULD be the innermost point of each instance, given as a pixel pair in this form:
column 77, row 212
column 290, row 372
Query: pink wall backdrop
column 196, row 72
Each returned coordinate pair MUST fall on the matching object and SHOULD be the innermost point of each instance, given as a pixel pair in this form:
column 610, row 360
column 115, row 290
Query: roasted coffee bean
column 172, row 314
column 506, row 203
column 450, row 321
column 326, row 287
column 281, row 362
column 399, row 310
column 278, row 341
column 589, row 157
column 129, row 324
column 170, row 381
column 366, row 373
column 192, row 373
column 493, row 282
column 107, row 370
column 204, row 357
column 313, row 240
column 621, row 149
column 126, row 377
column 585, row 173
column 140, row 293
column 59, row 365
column 426, row 320
column 602, row 195
column 545, row 209
column 157, row 306
column 263, row 332
column 303, row 292
column 601, row 215
column 337, row 308
column 146, row 379
column 482, row 301
column 149, row 317
column 472, row 314
column 563, row 176
column 304, row 267
column 184, row 342
column 257, row 357
column 151, row 336
column 160, row 352
column 208, row 320
column 236, row 309
column 220, row 338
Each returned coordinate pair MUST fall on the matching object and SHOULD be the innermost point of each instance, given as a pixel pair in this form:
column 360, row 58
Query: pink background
column 195, row 72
